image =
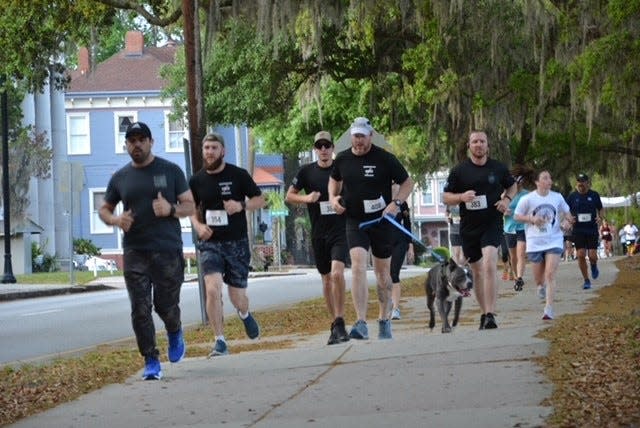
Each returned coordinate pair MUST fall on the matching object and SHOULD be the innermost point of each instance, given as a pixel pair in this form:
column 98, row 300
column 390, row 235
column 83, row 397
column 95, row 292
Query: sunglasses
column 323, row 145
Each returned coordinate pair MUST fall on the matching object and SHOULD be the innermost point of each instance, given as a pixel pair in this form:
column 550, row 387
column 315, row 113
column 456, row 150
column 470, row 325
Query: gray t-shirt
column 137, row 188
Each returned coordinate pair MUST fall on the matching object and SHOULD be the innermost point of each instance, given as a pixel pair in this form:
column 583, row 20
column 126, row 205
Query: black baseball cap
column 138, row 128
column 582, row 177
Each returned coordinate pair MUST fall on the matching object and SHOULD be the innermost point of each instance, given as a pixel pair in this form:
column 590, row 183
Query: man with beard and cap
column 223, row 193
column 586, row 209
column 328, row 238
column 360, row 187
column 154, row 194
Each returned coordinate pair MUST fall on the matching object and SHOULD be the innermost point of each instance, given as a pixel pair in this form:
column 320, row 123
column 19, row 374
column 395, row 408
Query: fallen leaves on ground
column 593, row 361
column 594, row 358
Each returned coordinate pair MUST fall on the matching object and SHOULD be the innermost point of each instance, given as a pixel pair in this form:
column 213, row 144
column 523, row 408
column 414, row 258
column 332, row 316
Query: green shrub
column 85, row 246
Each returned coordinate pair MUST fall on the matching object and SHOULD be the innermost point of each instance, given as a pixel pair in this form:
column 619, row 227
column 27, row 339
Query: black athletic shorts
column 379, row 237
column 474, row 240
column 329, row 248
column 590, row 242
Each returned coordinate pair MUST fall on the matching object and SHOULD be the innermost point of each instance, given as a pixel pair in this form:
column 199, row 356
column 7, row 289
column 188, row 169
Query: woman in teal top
column 514, row 231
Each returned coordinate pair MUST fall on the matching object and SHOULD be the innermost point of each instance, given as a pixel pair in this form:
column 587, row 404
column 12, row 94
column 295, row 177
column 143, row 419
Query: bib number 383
column 478, row 203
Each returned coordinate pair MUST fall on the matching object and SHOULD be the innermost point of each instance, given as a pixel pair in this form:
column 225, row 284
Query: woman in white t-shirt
column 543, row 211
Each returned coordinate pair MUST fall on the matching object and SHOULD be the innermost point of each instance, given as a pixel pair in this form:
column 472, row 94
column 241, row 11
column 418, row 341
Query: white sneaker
column 548, row 313
column 542, row 292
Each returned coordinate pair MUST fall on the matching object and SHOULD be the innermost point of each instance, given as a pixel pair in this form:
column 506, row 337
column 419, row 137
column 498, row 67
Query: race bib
column 584, row 217
column 478, row 203
column 374, row 205
column 326, row 208
column 217, row 218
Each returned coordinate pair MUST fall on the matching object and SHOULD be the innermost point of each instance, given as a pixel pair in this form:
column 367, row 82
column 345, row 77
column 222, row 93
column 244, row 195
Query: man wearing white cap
column 328, row 238
column 360, row 186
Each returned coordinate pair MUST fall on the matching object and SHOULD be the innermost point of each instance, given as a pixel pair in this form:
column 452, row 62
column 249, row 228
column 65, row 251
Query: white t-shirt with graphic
column 552, row 208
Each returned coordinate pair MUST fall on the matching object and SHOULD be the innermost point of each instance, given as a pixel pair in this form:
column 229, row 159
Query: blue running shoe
column 219, row 348
column 176, row 349
column 586, row 285
column 152, row 370
column 251, row 326
column 595, row 273
column 384, row 331
column 359, row 331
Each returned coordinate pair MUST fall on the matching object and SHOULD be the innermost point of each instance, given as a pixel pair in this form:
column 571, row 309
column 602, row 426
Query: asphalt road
column 43, row 328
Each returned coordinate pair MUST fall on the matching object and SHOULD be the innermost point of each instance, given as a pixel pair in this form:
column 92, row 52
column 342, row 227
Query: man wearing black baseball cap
column 586, row 209
column 154, row 194
column 138, row 128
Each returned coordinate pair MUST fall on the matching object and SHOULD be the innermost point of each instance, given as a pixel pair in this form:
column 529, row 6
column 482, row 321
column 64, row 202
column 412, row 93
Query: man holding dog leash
column 477, row 185
column 361, row 179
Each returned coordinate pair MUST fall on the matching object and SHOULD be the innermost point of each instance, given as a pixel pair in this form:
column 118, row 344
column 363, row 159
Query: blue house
column 100, row 103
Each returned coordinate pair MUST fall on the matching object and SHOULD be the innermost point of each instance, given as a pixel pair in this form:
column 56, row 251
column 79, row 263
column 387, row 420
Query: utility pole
column 8, row 277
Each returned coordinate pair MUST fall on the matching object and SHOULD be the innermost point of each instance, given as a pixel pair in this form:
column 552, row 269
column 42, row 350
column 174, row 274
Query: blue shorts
column 538, row 256
column 229, row 258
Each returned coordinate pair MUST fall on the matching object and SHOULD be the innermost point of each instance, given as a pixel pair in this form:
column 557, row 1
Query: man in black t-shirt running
column 223, row 192
column 328, row 237
column 360, row 186
column 483, row 188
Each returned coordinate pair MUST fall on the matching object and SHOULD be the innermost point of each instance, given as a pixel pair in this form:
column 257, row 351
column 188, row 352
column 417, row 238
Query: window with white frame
column 78, row 139
column 174, row 133
column 96, row 197
column 427, row 194
column 441, row 184
column 122, row 121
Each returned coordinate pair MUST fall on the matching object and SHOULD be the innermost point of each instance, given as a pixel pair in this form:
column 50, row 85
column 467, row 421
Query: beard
column 212, row 166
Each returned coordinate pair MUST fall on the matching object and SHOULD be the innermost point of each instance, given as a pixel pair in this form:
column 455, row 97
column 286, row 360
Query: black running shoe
column 339, row 330
column 483, row 319
column 490, row 322
column 333, row 338
column 518, row 284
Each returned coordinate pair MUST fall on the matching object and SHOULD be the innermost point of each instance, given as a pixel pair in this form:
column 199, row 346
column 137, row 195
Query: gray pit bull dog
column 447, row 282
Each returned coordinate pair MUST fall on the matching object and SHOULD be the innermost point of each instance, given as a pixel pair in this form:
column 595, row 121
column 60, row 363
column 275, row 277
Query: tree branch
column 140, row 10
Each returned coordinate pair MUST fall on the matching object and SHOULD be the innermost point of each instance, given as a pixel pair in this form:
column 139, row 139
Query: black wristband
column 508, row 197
column 244, row 204
column 172, row 211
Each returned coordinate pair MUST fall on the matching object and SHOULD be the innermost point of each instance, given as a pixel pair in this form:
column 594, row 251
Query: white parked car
column 97, row 263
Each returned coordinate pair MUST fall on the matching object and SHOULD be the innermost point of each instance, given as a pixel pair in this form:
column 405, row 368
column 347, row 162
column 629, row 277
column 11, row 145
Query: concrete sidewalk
column 420, row 378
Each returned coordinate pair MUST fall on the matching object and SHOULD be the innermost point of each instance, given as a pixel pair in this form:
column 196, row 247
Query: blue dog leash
column 400, row 227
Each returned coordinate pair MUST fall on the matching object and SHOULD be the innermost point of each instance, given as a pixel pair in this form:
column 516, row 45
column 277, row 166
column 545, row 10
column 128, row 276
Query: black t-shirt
column 488, row 181
column 209, row 192
column 314, row 178
column 137, row 188
column 367, row 178
column 585, row 207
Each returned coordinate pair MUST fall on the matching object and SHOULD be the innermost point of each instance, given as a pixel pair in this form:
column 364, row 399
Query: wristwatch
column 172, row 211
column 398, row 202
